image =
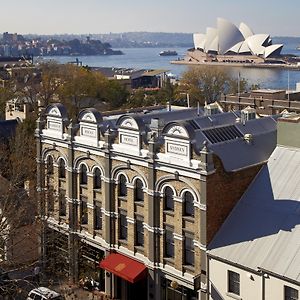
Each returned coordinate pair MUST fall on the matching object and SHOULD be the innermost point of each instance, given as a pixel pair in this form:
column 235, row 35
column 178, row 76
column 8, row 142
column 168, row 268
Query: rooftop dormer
column 56, row 120
column 90, row 121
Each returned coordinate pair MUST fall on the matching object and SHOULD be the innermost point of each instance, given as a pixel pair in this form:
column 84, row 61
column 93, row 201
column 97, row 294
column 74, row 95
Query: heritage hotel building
column 138, row 196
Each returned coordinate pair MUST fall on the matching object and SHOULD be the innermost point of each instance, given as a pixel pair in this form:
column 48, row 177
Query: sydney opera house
column 229, row 43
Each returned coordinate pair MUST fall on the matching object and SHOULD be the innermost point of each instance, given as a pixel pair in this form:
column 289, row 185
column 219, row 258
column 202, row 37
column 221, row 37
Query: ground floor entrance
column 171, row 290
column 131, row 291
column 128, row 277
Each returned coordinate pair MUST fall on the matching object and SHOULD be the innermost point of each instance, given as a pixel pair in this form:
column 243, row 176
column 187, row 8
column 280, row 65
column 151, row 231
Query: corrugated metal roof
column 223, row 132
column 263, row 230
column 154, row 72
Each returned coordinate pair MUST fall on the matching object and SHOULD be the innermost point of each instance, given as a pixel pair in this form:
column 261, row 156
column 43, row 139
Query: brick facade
column 128, row 151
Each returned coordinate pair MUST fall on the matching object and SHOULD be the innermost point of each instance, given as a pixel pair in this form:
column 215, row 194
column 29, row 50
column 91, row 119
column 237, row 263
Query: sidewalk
column 72, row 292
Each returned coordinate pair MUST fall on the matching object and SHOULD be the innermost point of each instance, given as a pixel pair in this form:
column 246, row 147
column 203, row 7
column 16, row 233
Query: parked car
column 43, row 293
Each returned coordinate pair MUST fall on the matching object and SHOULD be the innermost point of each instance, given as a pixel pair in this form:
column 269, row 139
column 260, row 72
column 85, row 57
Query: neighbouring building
column 18, row 109
column 256, row 253
column 135, row 78
column 134, row 199
column 264, row 101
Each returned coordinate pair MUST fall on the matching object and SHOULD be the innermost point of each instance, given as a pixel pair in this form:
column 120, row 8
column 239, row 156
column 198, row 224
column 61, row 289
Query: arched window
column 168, row 199
column 83, row 174
column 97, row 179
column 139, row 194
column 122, row 186
column 188, row 204
column 62, row 169
column 49, row 165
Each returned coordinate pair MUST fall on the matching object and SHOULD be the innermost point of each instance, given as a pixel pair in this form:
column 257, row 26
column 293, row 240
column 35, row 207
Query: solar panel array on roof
column 194, row 124
column 222, row 134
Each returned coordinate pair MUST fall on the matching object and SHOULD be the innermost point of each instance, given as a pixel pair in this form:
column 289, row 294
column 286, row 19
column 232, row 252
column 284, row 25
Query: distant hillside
column 131, row 39
column 148, row 39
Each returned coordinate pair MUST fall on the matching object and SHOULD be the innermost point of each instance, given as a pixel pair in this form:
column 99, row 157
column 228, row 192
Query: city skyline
column 56, row 17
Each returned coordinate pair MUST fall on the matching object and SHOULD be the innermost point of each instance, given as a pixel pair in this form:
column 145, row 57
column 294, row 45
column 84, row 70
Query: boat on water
column 298, row 48
column 168, row 53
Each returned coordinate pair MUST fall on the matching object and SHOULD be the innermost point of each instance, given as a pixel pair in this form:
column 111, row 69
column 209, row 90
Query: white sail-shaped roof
column 272, row 49
column 244, row 48
column 227, row 38
column 255, row 43
column 211, row 34
column 214, row 45
column 245, row 30
column 229, row 35
column 235, row 48
column 199, row 40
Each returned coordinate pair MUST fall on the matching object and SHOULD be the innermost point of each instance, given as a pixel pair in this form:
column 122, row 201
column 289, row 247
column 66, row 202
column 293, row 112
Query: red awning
column 124, row 267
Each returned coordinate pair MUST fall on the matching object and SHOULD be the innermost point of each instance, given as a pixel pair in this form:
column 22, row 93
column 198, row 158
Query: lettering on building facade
column 129, row 140
column 54, row 126
column 90, row 132
column 177, row 149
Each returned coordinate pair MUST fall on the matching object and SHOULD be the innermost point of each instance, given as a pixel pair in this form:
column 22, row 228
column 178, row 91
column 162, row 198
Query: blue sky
column 101, row 16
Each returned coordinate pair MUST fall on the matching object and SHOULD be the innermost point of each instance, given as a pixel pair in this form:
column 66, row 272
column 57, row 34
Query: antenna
column 288, row 86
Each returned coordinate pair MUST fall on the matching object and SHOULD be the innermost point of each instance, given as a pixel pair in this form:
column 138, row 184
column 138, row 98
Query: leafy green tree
column 206, row 84
column 115, row 94
column 76, row 87
column 166, row 93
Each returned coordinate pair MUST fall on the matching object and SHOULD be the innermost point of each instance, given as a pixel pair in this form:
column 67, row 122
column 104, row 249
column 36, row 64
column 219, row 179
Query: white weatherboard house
column 256, row 253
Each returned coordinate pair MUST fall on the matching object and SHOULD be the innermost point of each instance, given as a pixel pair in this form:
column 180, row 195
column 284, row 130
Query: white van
column 43, row 293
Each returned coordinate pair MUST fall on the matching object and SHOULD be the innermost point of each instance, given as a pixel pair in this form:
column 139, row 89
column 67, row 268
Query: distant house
column 136, row 78
column 18, row 109
column 256, row 253
column 14, row 67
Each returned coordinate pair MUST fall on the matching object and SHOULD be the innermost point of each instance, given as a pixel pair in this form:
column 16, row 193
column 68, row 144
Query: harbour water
column 148, row 58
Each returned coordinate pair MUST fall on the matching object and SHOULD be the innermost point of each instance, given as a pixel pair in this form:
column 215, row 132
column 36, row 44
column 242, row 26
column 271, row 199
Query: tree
column 75, row 87
column 35, row 86
column 19, row 230
column 115, row 94
column 206, row 84
column 166, row 93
